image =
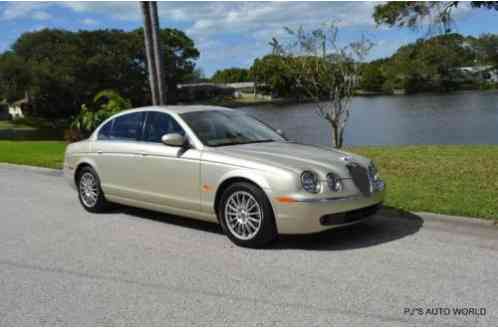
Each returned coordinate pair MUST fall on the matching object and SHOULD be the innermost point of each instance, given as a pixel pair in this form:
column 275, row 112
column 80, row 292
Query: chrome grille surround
column 375, row 180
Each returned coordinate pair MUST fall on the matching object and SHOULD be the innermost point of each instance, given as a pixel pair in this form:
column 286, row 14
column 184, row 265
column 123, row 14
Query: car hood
column 293, row 156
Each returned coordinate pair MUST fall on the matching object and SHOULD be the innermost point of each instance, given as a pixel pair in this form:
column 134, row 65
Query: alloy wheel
column 243, row 215
column 89, row 190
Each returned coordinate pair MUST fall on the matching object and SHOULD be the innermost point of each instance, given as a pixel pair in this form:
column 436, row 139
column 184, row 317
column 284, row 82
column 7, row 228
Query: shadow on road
column 170, row 219
column 388, row 225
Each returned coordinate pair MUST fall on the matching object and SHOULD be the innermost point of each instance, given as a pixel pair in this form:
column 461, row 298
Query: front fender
column 251, row 175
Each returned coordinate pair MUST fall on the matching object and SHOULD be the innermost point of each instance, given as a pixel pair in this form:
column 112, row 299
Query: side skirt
column 163, row 208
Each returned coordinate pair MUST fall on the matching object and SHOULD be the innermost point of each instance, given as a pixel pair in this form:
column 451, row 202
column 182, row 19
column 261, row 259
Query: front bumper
column 315, row 214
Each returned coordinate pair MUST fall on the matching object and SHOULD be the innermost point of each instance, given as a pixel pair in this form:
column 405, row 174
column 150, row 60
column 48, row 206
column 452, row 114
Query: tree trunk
column 158, row 54
column 337, row 135
column 149, row 52
column 341, row 138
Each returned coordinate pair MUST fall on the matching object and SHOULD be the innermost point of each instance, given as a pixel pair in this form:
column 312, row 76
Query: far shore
column 246, row 101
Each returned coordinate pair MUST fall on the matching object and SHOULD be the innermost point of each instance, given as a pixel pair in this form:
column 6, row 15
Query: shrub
column 105, row 104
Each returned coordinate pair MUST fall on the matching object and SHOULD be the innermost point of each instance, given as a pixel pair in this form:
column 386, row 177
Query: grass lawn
column 37, row 153
column 455, row 180
column 9, row 125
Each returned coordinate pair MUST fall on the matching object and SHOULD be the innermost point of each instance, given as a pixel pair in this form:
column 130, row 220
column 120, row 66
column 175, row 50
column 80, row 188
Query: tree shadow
column 389, row 224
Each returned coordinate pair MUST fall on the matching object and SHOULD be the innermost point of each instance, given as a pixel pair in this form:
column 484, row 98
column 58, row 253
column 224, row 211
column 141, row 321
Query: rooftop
column 179, row 109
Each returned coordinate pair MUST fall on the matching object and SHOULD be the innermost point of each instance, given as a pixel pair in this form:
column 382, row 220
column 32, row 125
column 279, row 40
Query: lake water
column 469, row 117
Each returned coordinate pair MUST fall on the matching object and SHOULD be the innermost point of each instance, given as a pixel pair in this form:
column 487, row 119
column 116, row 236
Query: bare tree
column 325, row 72
column 153, row 51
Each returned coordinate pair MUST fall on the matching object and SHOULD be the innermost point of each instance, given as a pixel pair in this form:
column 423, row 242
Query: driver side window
column 159, row 124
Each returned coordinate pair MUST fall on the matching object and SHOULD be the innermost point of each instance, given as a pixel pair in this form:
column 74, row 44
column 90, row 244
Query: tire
column 88, row 184
column 246, row 215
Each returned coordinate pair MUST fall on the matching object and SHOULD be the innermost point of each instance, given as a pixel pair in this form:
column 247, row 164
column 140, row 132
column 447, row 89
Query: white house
column 15, row 109
column 483, row 73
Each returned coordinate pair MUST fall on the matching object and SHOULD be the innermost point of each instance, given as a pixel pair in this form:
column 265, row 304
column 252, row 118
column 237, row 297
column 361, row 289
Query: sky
column 230, row 34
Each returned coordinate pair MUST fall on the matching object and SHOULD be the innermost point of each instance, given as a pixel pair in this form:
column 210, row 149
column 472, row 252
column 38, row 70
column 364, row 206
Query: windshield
column 222, row 128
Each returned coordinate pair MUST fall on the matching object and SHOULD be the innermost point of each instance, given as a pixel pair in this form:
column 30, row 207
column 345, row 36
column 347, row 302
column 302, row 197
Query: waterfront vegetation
column 439, row 64
column 455, row 179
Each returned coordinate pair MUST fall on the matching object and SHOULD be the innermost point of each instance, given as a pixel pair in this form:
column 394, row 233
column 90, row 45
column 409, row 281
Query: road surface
column 60, row 265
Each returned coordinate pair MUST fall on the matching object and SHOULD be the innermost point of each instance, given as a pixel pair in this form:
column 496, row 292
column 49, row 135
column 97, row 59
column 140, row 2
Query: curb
column 458, row 219
column 32, row 168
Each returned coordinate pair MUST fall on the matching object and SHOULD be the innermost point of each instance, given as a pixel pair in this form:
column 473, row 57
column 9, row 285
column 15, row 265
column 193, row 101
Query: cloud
column 266, row 18
column 41, row 15
column 89, row 21
column 126, row 11
column 18, row 10
column 24, row 10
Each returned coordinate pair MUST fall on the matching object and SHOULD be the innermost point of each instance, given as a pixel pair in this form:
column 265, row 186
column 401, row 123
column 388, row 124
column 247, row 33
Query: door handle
column 143, row 154
column 99, row 152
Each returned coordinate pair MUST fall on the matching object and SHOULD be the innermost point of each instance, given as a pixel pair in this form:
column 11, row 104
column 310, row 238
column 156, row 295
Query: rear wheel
column 246, row 215
column 89, row 191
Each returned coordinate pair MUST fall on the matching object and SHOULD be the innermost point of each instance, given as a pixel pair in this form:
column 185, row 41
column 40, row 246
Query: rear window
column 105, row 131
column 127, row 127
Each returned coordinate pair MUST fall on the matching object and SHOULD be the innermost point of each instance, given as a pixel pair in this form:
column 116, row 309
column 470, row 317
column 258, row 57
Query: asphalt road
column 60, row 265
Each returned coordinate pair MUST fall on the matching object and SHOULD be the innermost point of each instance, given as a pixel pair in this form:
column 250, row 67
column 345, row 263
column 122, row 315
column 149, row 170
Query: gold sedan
column 221, row 165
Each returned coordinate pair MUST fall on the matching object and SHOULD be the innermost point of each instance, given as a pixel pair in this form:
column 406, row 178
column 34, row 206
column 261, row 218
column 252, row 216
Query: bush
column 105, row 104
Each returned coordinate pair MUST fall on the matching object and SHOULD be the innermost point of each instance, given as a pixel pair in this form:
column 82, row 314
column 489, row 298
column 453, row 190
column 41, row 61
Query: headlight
column 334, row 182
column 309, row 181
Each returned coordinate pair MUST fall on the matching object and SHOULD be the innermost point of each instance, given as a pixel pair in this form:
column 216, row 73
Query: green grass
column 10, row 125
column 456, row 180
column 36, row 153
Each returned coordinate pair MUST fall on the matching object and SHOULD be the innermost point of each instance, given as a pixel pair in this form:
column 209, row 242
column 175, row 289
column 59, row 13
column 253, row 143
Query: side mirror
column 173, row 140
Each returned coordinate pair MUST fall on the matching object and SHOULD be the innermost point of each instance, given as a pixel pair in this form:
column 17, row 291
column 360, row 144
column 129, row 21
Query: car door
column 117, row 155
column 170, row 176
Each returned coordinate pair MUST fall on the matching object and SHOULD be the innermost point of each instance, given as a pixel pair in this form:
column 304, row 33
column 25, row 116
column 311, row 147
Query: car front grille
column 361, row 178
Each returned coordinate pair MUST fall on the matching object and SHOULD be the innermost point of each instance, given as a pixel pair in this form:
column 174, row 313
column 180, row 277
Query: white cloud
column 209, row 17
column 18, row 10
column 41, row 15
column 128, row 11
column 89, row 22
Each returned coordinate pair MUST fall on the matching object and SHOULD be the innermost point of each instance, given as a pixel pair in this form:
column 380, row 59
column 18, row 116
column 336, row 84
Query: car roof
column 178, row 109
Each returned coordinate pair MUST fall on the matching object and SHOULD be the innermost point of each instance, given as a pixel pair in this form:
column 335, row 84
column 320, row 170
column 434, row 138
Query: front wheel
column 246, row 215
column 89, row 191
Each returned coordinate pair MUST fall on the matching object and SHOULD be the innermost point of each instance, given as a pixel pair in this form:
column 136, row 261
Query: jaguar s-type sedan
column 220, row 165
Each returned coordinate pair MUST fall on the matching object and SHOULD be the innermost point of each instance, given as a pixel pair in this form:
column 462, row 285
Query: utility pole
column 153, row 52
